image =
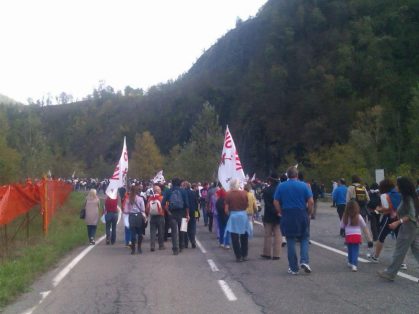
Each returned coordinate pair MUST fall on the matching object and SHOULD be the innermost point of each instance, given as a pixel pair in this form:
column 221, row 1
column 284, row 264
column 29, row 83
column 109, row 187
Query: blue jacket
column 168, row 193
column 339, row 195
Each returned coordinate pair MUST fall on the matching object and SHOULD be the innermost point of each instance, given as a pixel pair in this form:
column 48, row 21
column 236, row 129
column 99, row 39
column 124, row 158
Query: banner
column 119, row 176
column 230, row 165
column 159, row 178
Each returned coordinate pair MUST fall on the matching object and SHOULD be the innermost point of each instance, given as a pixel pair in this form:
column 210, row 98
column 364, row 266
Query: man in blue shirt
column 293, row 201
column 339, row 198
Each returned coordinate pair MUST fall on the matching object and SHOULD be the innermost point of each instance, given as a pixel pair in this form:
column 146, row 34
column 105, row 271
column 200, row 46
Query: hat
column 273, row 176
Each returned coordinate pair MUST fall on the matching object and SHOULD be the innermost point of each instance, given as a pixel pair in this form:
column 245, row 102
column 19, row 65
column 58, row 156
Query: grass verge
column 26, row 262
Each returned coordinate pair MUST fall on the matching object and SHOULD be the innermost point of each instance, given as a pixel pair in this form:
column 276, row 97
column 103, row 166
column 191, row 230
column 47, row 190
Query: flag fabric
column 230, row 166
column 159, row 178
column 119, row 177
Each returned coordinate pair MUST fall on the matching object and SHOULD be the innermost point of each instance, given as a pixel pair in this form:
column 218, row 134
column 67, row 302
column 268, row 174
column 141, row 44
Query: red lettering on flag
column 116, row 173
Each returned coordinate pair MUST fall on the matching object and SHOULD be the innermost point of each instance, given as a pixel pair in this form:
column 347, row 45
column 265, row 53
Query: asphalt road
column 107, row 279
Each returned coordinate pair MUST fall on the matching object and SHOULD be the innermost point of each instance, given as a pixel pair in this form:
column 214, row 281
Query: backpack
column 360, row 195
column 155, row 207
column 176, row 200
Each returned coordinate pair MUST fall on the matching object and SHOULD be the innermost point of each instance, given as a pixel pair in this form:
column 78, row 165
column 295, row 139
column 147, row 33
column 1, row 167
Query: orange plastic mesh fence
column 18, row 199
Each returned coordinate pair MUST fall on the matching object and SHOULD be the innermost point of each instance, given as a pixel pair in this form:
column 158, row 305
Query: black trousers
column 240, row 244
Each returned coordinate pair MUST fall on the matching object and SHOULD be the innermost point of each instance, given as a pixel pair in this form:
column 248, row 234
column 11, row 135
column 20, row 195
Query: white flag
column 159, row 178
column 230, row 165
column 119, row 177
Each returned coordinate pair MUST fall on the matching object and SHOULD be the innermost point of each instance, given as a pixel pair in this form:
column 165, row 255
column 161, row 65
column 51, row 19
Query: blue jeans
column 91, row 231
column 292, row 254
column 353, row 252
column 222, row 227
column 111, row 220
column 127, row 236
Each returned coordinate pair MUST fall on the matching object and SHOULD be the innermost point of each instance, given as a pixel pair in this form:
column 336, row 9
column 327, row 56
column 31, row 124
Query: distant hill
column 300, row 77
column 7, row 100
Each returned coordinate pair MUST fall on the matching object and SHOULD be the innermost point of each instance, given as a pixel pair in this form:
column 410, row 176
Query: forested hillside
column 331, row 84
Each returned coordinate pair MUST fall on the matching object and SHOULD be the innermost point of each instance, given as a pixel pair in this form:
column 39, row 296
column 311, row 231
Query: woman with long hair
column 408, row 215
column 92, row 214
column 136, row 209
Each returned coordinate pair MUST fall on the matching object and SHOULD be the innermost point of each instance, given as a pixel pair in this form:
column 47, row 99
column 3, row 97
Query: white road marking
column 363, row 260
column 200, row 246
column 412, row 278
column 212, row 265
column 64, row 272
column 227, row 291
column 43, row 294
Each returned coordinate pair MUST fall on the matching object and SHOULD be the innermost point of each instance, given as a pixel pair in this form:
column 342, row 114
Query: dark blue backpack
column 176, row 200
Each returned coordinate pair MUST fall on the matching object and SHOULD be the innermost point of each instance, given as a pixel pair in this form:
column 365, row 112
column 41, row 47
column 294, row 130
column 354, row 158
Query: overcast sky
column 54, row 46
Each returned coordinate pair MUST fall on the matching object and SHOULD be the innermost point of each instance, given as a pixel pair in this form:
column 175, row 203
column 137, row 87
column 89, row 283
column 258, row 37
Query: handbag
column 82, row 213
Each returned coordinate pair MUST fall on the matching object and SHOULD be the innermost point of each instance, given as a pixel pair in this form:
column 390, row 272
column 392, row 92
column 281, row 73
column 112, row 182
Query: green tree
column 9, row 158
column 198, row 159
column 146, row 159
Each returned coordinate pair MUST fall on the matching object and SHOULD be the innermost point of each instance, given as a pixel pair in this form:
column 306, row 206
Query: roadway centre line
column 64, row 272
column 212, row 265
column 200, row 246
column 403, row 275
column 227, row 291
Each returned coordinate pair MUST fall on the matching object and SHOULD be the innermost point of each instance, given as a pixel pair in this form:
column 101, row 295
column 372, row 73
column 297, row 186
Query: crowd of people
column 287, row 204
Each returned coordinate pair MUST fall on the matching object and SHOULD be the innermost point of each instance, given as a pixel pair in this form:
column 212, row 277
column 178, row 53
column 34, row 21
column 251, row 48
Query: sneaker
column 193, row 245
column 222, row 245
column 349, row 265
column 227, row 247
column 403, row 266
column 152, row 249
column 306, row 267
column 383, row 274
column 265, row 256
column 373, row 259
column 354, row 268
column 292, row 272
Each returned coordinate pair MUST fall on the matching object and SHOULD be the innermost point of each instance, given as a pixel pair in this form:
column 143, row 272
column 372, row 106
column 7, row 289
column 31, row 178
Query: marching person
column 178, row 208
column 136, row 209
column 293, row 201
column 273, row 237
column 408, row 214
column 238, row 225
column 92, row 214
column 154, row 209
column 111, row 218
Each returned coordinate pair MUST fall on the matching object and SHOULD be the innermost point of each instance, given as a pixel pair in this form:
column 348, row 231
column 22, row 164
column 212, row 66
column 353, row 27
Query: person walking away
column 251, row 204
column 235, row 205
column 202, row 202
column 209, row 208
column 334, row 186
column 124, row 195
column 359, row 193
column 136, row 209
column 272, row 238
column 178, row 208
column 155, row 211
column 111, row 218
column 353, row 222
column 193, row 206
column 339, row 199
column 373, row 205
column 315, row 189
column 293, row 200
column 390, row 200
column 408, row 222
column 92, row 215
column 223, row 237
